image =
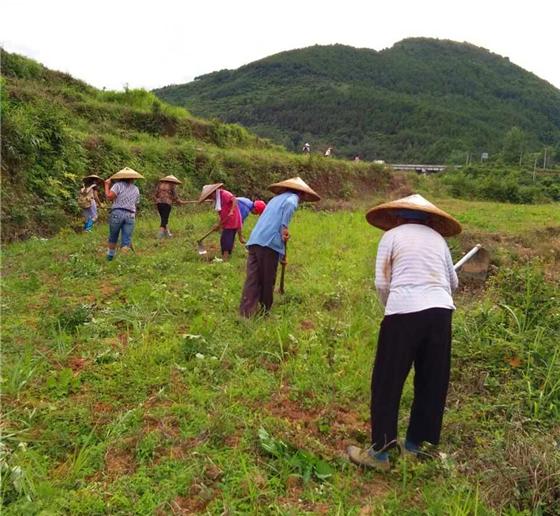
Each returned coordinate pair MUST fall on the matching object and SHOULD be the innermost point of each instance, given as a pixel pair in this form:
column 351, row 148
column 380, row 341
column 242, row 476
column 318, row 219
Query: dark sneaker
column 413, row 451
column 364, row 458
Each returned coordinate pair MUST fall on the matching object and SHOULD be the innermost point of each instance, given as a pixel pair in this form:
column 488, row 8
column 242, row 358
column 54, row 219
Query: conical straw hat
column 126, row 173
column 171, row 179
column 385, row 216
column 297, row 184
column 93, row 176
column 208, row 190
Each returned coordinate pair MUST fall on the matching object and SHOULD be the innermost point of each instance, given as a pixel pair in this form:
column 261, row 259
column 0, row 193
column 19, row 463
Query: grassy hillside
column 56, row 129
column 131, row 387
column 420, row 100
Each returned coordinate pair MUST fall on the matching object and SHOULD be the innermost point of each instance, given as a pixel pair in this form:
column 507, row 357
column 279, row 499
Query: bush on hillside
column 503, row 184
column 55, row 130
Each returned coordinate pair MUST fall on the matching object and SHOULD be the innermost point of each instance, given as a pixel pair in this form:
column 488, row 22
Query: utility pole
column 535, row 169
column 544, row 159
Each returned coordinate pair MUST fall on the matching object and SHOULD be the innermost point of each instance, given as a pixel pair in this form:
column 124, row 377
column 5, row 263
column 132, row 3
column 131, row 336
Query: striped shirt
column 414, row 270
column 128, row 196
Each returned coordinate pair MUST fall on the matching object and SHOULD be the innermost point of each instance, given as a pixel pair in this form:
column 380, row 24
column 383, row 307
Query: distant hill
column 420, row 100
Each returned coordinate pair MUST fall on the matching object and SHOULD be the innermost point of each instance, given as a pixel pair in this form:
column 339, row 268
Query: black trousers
column 419, row 338
column 262, row 264
column 227, row 239
column 164, row 210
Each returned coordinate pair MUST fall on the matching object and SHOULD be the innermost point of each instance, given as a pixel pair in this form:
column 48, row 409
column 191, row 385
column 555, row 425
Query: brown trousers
column 262, row 264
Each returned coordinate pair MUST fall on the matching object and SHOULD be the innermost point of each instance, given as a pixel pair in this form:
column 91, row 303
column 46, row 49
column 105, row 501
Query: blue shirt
column 245, row 206
column 278, row 213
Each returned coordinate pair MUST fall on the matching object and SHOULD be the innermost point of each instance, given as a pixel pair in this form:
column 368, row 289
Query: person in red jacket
column 225, row 203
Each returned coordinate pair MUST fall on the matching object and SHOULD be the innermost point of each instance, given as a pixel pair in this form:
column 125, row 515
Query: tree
column 514, row 145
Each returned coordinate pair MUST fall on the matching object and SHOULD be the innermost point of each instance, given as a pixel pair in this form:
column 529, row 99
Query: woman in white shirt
column 414, row 277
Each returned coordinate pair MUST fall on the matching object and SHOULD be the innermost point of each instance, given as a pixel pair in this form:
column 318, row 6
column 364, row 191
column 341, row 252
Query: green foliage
column 140, row 378
column 56, row 130
column 63, row 382
column 514, row 145
column 421, row 100
column 503, row 183
column 72, row 318
column 302, row 463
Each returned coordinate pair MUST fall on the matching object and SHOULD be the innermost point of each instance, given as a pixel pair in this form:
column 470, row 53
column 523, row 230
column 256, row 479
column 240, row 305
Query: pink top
column 234, row 220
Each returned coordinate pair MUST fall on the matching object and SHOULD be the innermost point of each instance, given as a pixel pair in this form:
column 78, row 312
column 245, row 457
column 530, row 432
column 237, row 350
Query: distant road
column 429, row 169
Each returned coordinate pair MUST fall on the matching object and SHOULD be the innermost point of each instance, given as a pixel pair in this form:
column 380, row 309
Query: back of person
column 245, row 206
column 127, row 196
column 229, row 221
column 165, row 193
column 85, row 196
column 267, row 231
column 415, row 264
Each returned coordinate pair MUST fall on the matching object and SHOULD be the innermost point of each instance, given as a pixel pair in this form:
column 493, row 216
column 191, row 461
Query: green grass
column 132, row 387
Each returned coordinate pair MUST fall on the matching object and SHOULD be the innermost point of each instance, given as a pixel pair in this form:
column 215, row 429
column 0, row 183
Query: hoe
column 475, row 263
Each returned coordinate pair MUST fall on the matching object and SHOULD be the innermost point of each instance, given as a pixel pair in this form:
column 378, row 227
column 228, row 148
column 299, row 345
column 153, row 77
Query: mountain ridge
column 381, row 104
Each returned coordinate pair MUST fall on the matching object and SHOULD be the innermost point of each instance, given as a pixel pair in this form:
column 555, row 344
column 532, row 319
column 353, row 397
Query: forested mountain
column 422, row 99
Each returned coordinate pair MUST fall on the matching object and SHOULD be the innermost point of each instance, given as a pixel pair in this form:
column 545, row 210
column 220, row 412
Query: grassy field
column 132, row 387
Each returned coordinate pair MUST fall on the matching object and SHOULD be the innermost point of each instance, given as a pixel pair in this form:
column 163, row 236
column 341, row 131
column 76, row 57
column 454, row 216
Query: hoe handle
column 467, row 257
column 207, row 234
column 283, row 272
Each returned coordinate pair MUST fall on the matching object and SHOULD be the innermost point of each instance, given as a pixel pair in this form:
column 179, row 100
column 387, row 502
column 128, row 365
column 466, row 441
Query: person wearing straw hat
column 267, row 243
column 165, row 195
column 247, row 206
column 414, row 278
column 225, row 203
column 125, row 197
column 88, row 200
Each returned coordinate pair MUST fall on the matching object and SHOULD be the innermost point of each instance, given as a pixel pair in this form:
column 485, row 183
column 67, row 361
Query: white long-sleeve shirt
column 414, row 270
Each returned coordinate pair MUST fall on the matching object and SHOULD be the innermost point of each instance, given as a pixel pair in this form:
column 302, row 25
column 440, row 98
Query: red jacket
column 232, row 221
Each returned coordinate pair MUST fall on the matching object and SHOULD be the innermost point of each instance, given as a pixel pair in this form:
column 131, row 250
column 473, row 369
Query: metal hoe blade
column 201, row 249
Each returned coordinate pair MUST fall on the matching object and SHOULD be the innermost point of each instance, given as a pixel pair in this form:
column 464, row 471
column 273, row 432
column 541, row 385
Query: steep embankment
column 56, row 129
column 422, row 99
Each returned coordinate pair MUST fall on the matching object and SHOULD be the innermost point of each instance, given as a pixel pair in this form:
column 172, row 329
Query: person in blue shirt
column 247, row 206
column 267, row 244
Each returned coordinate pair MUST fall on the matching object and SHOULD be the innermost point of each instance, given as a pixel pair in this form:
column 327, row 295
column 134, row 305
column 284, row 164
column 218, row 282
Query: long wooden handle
column 283, row 272
column 207, row 234
column 467, row 257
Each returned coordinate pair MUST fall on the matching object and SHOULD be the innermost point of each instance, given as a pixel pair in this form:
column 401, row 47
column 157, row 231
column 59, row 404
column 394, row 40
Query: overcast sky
column 160, row 42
